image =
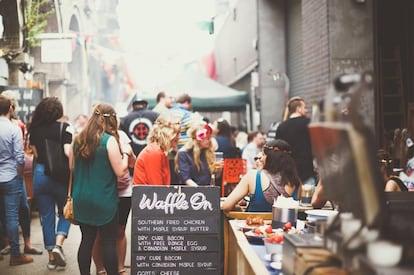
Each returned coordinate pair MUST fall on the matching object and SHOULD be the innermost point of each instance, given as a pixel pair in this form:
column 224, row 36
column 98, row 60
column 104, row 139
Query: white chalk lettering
column 194, row 222
column 172, row 258
column 179, row 228
column 204, row 264
column 143, row 228
column 169, row 272
column 140, row 258
column 186, row 264
column 198, row 201
column 172, row 201
column 175, row 238
column 199, row 228
column 164, row 265
column 154, row 258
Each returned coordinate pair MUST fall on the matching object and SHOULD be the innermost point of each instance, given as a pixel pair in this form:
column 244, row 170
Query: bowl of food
column 274, row 243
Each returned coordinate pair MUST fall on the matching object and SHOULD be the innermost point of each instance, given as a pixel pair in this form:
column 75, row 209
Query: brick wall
column 315, row 49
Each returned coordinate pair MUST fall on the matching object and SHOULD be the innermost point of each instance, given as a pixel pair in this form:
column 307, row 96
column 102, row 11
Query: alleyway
column 38, row 267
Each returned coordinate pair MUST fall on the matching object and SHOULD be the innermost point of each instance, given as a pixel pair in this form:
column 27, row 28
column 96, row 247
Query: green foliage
column 36, row 13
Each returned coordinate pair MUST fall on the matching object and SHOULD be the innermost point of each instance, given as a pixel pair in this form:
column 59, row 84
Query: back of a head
column 138, row 106
column 279, row 160
column 294, row 103
column 160, row 96
column 5, row 104
column 184, row 98
column 13, row 96
column 223, row 127
column 278, row 145
column 251, row 135
column 48, row 110
column 165, row 128
column 104, row 119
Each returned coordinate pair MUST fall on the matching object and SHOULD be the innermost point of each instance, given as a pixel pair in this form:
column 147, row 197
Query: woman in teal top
column 258, row 202
column 278, row 177
column 98, row 160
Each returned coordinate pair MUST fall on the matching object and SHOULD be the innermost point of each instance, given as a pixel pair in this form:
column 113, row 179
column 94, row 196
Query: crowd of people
column 108, row 155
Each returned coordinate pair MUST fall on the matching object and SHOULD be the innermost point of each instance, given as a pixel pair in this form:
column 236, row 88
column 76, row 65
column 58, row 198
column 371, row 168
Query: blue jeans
column 50, row 194
column 11, row 193
column 24, row 215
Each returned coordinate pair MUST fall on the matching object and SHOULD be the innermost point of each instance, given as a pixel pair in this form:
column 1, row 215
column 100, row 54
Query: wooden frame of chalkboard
column 176, row 230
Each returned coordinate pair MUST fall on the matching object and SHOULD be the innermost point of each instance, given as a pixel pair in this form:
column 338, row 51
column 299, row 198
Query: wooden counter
column 239, row 256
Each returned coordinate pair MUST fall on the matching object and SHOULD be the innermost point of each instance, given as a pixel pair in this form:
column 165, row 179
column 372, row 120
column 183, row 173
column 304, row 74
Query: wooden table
column 239, row 256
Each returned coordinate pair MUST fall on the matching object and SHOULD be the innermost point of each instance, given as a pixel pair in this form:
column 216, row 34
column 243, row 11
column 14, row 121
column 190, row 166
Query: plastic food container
column 384, row 253
column 272, row 247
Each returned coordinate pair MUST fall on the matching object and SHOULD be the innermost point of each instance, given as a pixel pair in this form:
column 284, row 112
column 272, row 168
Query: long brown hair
column 279, row 160
column 103, row 120
column 47, row 111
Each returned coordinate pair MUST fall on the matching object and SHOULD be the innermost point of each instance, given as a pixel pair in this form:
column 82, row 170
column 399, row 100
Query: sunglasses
column 257, row 158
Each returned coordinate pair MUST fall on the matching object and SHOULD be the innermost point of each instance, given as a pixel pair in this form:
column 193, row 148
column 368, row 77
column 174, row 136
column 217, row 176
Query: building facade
column 301, row 46
column 94, row 71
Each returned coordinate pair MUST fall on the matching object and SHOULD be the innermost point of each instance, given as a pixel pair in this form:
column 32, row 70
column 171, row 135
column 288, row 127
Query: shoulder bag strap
column 71, row 167
column 60, row 133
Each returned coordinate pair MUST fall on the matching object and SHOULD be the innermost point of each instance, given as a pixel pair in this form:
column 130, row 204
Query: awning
column 207, row 94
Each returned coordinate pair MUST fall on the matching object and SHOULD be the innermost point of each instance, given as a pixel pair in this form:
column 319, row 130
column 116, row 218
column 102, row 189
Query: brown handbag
column 68, row 211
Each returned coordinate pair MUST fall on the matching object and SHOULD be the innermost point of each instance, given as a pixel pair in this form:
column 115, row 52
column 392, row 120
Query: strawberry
column 258, row 231
column 287, row 226
column 269, row 229
column 277, row 239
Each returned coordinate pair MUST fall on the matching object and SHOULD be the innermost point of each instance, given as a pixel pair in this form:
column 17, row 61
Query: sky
column 159, row 36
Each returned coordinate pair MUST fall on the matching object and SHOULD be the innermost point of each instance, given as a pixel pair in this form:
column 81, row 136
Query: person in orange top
column 152, row 165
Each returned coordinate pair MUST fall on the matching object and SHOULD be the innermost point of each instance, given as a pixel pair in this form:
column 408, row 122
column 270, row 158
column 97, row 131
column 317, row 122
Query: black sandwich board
column 176, row 230
column 28, row 100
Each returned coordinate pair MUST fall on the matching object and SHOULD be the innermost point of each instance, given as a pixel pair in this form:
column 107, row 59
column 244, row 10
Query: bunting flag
column 207, row 66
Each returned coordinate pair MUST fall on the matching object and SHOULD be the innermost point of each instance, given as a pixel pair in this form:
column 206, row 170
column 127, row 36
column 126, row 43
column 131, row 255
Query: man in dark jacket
column 295, row 131
column 138, row 123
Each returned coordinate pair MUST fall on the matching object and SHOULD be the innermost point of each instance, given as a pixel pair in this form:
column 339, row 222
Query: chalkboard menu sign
column 28, row 100
column 176, row 230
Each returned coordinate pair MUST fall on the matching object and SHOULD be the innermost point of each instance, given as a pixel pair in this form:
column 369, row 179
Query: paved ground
column 38, row 267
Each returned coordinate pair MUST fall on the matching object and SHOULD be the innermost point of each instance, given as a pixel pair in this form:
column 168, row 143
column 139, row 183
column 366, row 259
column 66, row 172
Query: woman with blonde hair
column 99, row 158
column 195, row 160
column 152, row 165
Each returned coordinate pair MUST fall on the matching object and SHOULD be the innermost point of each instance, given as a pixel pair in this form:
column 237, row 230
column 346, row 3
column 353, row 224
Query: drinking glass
column 218, row 163
column 307, row 193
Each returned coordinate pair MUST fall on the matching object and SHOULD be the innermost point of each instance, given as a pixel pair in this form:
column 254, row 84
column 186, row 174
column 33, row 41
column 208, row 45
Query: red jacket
column 152, row 167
